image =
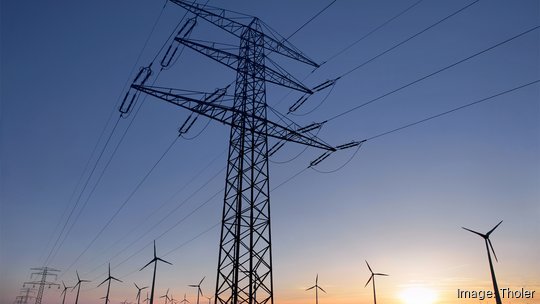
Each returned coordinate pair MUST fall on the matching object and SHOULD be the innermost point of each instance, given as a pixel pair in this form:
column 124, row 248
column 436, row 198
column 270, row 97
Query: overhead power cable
column 310, row 19
column 99, row 140
column 123, row 204
column 410, row 38
column 429, row 118
column 343, row 50
column 434, row 73
column 489, row 98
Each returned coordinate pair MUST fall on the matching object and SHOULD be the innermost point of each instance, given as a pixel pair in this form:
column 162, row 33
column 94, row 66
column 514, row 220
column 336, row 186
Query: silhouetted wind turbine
column 209, row 299
column 147, row 298
column 172, row 300
column 79, row 281
column 317, row 287
column 488, row 245
column 64, row 292
column 154, row 260
column 139, row 293
column 184, row 300
column 108, row 279
column 199, row 290
column 166, row 296
column 373, row 274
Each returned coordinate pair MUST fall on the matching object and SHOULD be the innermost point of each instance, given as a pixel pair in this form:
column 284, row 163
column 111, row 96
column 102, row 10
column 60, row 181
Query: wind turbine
column 373, row 274
column 154, row 260
column 139, row 293
column 172, row 300
column 108, row 279
column 184, row 301
column 147, row 298
column 64, row 292
column 317, row 287
column 166, row 296
column 78, row 285
column 209, row 299
column 199, row 290
column 488, row 245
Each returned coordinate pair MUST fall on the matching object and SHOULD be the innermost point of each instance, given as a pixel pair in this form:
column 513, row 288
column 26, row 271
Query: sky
column 399, row 202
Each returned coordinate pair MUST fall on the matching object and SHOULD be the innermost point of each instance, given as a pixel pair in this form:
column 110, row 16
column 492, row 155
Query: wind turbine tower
column 199, row 290
column 154, row 260
column 78, row 285
column 108, row 279
column 64, row 292
column 317, row 287
column 139, row 289
column 372, row 277
column 488, row 246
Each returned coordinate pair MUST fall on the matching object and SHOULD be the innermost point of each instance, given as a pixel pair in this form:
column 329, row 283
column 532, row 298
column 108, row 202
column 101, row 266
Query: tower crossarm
column 231, row 60
column 224, row 20
column 224, row 114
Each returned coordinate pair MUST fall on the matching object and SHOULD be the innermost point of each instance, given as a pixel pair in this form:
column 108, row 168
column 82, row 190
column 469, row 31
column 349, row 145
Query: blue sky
column 399, row 203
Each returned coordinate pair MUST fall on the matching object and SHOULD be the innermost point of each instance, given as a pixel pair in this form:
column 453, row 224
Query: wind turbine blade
column 321, row 289
column 193, row 286
column 85, row 281
column 78, row 279
column 202, row 280
column 147, row 265
column 200, row 291
column 116, row 279
column 311, row 287
column 163, row 261
column 480, row 234
column 381, row 274
column 103, row 282
column 317, row 279
column 371, row 277
column 137, row 286
column 155, row 256
column 369, row 267
column 493, row 228
column 492, row 250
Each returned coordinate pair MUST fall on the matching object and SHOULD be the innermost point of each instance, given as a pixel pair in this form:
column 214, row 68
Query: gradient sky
column 399, row 203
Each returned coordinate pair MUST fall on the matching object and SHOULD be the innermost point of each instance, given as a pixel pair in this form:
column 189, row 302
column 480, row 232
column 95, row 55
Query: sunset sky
column 399, row 202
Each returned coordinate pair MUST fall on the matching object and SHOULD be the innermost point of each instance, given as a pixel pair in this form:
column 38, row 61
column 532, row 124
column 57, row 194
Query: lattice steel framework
column 244, row 272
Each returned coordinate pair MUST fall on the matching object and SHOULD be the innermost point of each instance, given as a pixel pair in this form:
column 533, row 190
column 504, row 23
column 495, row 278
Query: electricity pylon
column 44, row 272
column 244, row 273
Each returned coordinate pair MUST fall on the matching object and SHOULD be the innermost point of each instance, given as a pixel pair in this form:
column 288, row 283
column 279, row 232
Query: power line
column 371, row 32
column 99, row 140
column 453, row 110
column 310, row 19
column 435, row 72
column 411, row 37
column 54, row 248
column 124, row 203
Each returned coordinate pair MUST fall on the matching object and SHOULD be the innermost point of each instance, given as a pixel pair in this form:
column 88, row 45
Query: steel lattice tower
column 43, row 272
column 244, row 272
column 245, row 260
